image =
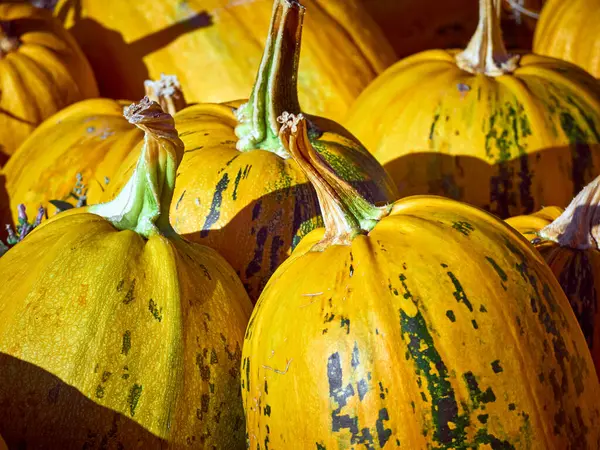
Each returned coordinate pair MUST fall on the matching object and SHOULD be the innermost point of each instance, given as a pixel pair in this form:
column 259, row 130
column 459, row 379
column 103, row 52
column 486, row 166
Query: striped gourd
column 568, row 241
column 505, row 133
column 237, row 189
column 426, row 324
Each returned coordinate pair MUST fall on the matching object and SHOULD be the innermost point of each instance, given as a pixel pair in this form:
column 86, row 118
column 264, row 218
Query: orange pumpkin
column 505, row 132
column 237, row 189
column 425, row 324
column 114, row 331
column 88, row 140
column 214, row 47
column 569, row 242
column 42, row 70
column 570, row 30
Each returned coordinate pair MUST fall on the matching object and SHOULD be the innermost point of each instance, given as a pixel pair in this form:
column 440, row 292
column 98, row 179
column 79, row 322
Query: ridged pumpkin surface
column 42, row 70
column 569, row 31
column 254, row 204
column 122, row 339
column 89, row 137
column 215, row 47
column 568, row 243
column 441, row 328
column 508, row 143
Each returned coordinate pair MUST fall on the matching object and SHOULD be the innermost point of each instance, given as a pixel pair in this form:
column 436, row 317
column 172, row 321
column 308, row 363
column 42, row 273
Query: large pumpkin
column 214, row 47
column 42, row 70
column 114, row 331
column 237, row 190
column 89, row 139
column 425, row 324
column 570, row 31
column 568, row 241
column 508, row 133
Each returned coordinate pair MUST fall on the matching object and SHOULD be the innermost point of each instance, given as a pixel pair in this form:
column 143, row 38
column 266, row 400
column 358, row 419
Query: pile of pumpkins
column 321, row 233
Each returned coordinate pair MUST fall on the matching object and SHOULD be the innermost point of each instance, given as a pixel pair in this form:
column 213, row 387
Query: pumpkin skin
column 253, row 206
column 149, row 329
column 569, row 31
column 128, row 42
column 90, row 137
column 392, row 338
column 509, row 143
column 42, row 70
column 566, row 241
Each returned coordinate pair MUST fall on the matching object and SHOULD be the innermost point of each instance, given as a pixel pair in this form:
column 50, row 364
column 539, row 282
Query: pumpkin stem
column 486, row 52
column 345, row 212
column 143, row 203
column 578, row 226
column 167, row 93
column 275, row 89
column 8, row 43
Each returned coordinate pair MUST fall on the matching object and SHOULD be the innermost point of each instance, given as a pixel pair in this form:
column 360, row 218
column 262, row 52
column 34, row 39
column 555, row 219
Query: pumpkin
column 42, row 70
column 237, row 189
column 569, row 31
column 568, row 242
column 88, row 139
column 215, row 46
column 427, row 323
column 3, row 444
column 114, row 331
column 507, row 133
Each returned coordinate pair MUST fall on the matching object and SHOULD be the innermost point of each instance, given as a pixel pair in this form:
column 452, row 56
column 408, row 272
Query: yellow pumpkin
column 568, row 241
column 42, row 70
column 114, row 331
column 237, row 189
column 569, row 31
column 89, row 139
column 214, row 47
column 423, row 324
column 508, row 133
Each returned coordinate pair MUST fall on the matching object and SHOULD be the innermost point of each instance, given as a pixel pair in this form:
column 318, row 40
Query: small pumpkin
column 42, row 70
column 237, row 189
column 427, row 323
column 508, row 133
column 88, row 140
column 105, row 311
column 569, row 31
column 568, row 241
column 215, row 46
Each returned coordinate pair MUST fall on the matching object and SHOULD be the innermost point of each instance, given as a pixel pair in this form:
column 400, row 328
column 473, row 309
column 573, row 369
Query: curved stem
column 522, row 10
column 579, row 224
column 167, row 93
column 143, row 203
column 275, row 89
column 486, row 52
column 345, row 212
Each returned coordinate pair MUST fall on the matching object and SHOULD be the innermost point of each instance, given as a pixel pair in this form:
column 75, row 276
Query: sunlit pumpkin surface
column 122, row 339
column 440, row 329
column 569, row 31
column 42, row 70
column 510, row 143
column 90, row 138
column 215, row 47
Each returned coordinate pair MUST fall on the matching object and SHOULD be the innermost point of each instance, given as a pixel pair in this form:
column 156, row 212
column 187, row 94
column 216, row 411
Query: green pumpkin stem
column 275, row 89
column 167, row 92
column 486, row 52
column 578, row 226
column 345, row 212
column 143, row 203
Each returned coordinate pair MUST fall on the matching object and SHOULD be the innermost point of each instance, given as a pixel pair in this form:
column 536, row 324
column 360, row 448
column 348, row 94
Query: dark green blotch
column 155, row 310
column 496, row 367
column 126, row 346
column 134, row 397
column 463, row 227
